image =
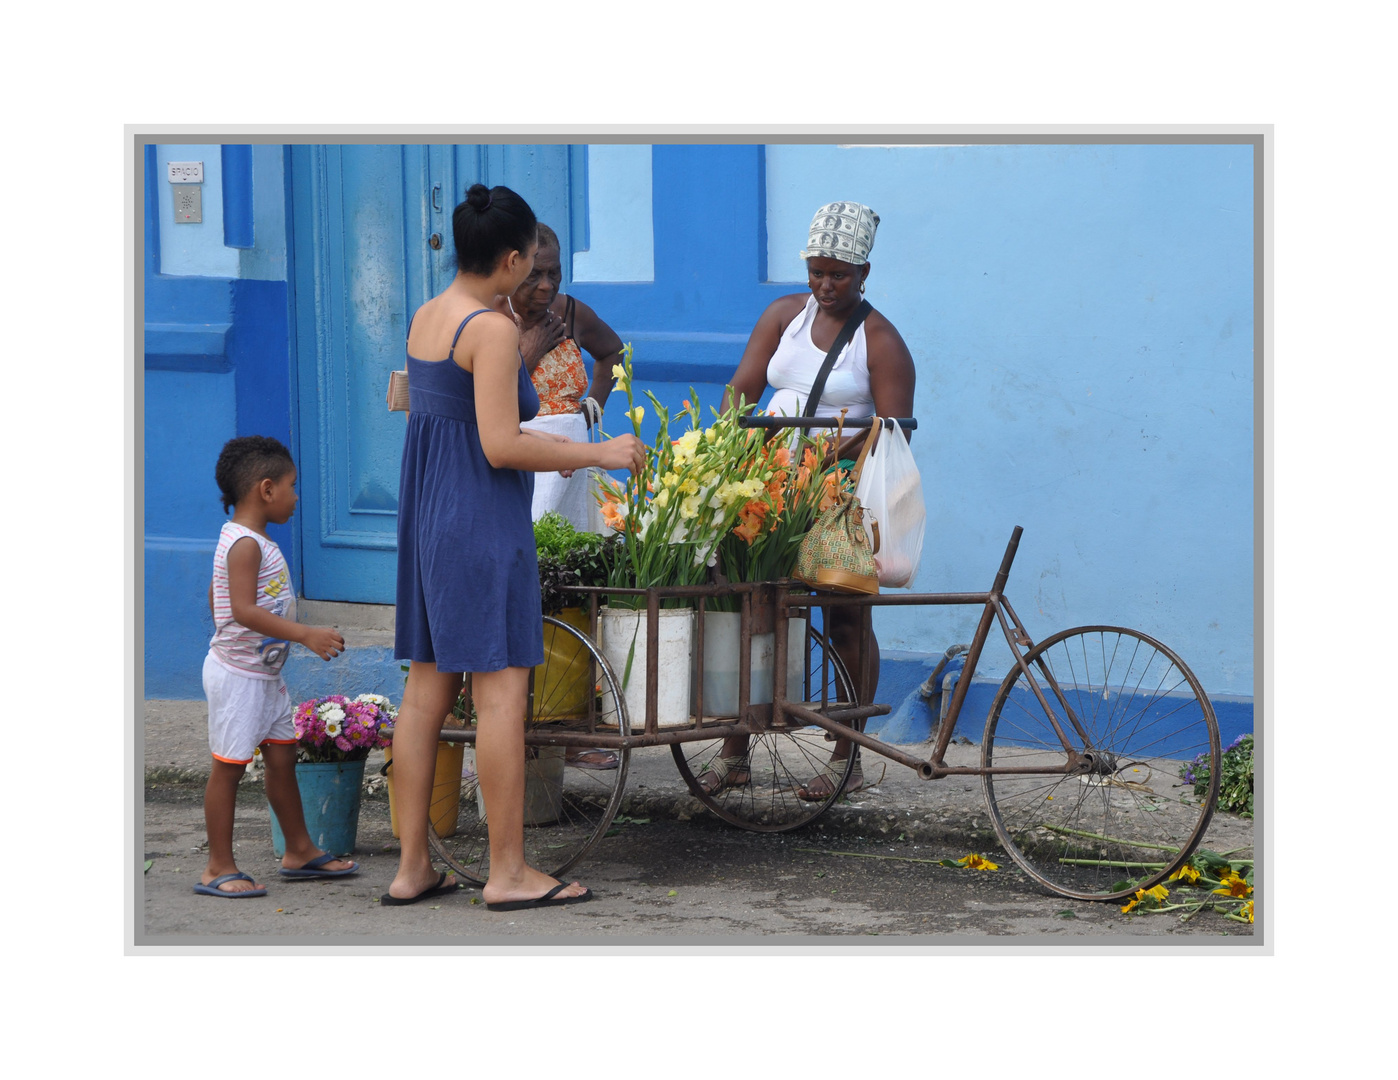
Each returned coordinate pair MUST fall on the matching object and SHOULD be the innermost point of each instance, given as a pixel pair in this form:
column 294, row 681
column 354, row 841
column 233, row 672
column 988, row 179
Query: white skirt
column 571, row 497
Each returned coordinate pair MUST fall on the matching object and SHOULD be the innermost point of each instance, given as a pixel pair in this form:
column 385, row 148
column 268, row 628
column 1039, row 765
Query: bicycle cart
column 1080, row 755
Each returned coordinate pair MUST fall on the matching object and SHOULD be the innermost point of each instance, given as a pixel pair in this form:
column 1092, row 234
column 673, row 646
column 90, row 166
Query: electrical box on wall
column 189, row 205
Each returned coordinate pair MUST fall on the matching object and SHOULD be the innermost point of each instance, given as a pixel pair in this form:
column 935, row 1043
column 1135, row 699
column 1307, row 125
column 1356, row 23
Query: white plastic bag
column 890, row 490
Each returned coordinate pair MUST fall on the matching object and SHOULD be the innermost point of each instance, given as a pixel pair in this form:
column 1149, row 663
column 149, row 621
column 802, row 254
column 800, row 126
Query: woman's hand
column 623, row 452
column 553, row 436
column 541, row 339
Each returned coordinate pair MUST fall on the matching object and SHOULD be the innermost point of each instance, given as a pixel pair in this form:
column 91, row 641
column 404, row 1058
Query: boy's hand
column 324, row 641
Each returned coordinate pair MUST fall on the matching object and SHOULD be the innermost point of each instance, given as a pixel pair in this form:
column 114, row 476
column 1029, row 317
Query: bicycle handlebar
column 1004, row 573
column 907, row 423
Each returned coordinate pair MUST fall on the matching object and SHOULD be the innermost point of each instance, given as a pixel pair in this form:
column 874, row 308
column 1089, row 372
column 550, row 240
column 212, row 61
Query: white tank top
column 796, row 363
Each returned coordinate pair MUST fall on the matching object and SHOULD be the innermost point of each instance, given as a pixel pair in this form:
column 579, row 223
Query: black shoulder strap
column 841, row 340
column 569, row 315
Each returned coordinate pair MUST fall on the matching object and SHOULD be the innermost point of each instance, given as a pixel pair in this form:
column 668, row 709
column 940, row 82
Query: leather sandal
column 828, row 777
column 724, row 772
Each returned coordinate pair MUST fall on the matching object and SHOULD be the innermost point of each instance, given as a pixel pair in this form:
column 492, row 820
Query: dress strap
column 451, row 355
column 569, row 315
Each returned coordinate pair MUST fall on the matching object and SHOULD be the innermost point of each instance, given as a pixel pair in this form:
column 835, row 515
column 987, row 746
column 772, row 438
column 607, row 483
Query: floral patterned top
column 560, row 379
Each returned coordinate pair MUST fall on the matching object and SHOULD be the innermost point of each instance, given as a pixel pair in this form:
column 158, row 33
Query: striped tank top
column 234, row 645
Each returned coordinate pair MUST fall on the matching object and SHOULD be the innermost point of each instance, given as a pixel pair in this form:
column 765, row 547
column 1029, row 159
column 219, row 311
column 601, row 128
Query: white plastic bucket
column 623, row 629
column 722, row 630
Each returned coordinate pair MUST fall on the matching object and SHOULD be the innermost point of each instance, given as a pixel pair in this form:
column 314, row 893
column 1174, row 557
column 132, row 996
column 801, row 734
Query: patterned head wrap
column 844, row 231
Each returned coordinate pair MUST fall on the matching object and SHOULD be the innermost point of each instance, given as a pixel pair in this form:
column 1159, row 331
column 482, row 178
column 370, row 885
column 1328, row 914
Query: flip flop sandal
column 212, row 888
column 725, row 769
column 312, row 868
column 549, row 899
column 440, row 889
column 600, row 760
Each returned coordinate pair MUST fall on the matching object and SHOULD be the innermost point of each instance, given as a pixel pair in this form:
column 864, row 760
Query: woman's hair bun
column 478, row 197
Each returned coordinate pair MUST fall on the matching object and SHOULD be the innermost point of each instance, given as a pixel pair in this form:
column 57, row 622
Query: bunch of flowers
column 763, row 545
column 336, row 728
column 692, row 492
column 1208, row 881
column 1235, row 788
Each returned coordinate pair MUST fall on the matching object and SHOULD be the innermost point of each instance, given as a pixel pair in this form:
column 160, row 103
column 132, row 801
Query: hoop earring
column 861, row 288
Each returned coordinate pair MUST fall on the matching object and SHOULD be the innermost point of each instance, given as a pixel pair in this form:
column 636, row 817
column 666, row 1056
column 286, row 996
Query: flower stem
column 1111, row 839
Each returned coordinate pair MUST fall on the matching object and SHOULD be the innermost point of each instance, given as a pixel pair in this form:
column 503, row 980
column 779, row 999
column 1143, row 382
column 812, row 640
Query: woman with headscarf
column 872, row 376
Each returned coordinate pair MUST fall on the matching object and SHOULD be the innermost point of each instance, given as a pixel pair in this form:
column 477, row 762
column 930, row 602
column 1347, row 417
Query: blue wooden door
column 365, row 222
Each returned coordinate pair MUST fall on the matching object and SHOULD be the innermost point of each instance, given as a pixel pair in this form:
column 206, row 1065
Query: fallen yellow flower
column 1234, row 886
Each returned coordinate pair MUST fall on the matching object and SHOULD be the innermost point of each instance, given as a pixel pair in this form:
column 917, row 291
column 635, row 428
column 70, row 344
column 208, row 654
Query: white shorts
column 245, row 712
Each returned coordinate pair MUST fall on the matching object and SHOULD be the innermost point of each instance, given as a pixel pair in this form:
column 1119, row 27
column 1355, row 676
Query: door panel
column 363, row 216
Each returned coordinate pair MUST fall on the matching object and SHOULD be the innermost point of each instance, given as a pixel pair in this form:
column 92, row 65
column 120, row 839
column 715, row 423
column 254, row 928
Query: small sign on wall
column 185, row 172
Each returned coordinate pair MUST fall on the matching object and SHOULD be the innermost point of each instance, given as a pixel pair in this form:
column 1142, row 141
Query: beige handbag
column 836, row 554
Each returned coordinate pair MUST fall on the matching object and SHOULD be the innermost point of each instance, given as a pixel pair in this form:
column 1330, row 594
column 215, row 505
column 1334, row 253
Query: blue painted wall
column 1081, row 317
column 216, row 366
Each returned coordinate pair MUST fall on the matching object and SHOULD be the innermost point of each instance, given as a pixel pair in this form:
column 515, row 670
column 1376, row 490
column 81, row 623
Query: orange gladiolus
column 750, row 519
column 611, row 514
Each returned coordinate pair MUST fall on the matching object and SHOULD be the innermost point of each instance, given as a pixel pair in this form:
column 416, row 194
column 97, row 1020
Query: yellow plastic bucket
column 561, row 694
column 446, row 788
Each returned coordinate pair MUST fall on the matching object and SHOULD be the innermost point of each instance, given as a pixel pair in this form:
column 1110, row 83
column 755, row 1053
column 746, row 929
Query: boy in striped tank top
column 254, row 609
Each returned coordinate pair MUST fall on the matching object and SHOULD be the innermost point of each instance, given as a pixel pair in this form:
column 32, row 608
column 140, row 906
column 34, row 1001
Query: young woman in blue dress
column 468, row 589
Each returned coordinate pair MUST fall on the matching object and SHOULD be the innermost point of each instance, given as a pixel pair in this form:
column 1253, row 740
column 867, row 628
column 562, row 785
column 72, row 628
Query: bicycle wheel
column 779, row 762
column 1121, row 818
column 567, row 808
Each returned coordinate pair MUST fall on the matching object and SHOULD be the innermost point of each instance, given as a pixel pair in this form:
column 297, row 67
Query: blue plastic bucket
column 330, row 794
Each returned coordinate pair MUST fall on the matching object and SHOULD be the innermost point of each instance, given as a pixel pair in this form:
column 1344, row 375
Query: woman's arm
column 602, row 343
column 750, row 380
column 892, row 377
column 494, row 364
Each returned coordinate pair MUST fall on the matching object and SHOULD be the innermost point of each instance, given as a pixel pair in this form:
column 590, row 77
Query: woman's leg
column 847, row 626
column 501, row 698
column 427, row 698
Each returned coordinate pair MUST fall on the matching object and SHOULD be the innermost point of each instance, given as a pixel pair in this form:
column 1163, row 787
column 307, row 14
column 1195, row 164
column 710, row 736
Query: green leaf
column 672, row 892
column 149, row 864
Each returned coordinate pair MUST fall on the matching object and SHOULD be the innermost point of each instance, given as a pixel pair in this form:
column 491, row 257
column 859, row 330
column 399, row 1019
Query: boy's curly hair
column 245, row 461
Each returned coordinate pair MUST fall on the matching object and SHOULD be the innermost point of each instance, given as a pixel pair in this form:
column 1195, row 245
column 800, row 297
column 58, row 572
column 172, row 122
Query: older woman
column 872, row 376
column 554, row 331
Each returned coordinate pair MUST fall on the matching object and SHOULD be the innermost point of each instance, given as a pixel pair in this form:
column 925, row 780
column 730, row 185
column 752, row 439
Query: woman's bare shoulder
column 435, row 324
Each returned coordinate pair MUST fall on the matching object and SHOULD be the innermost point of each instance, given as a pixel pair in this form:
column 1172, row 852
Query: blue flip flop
column 212, row 888
column 311, row 869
